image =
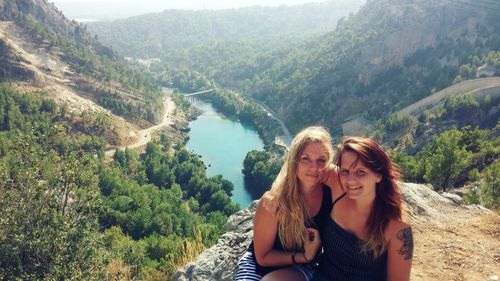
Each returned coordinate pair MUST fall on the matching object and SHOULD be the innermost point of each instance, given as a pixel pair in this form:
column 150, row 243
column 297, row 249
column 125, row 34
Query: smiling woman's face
column 311, row 163
column 357, row 180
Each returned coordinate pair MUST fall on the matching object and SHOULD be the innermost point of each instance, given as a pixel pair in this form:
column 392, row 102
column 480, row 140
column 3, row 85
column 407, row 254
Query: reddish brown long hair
column 388, row 203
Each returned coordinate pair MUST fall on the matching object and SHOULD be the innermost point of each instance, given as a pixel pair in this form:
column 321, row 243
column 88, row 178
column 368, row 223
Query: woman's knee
column 289, row 273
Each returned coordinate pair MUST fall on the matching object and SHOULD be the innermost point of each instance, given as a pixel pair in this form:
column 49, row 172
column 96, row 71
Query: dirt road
column 144, row 136
column 460, row 88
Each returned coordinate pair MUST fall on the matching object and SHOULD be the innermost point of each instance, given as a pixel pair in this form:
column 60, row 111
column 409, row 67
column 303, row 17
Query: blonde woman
column 286, row 240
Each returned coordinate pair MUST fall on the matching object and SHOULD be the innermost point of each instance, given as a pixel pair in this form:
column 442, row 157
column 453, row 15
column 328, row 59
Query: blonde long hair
column 292, row 210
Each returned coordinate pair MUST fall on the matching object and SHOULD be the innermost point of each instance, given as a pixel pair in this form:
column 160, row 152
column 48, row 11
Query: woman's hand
column 313, row 243
column 327, row 172
column 330, row 177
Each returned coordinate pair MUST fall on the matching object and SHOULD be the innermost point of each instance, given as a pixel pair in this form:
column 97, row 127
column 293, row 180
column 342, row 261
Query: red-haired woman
column 365, row 237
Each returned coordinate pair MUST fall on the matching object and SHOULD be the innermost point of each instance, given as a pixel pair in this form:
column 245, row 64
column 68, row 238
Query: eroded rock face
column 47, row 14
column 10, row 67
column 424, row 206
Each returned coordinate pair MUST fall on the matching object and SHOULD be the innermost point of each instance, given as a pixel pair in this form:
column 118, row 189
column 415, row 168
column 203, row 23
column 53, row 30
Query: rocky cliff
column 46, row 13
column 413, row 26
column 452, row 241
column 44, row 53
column 388, row 55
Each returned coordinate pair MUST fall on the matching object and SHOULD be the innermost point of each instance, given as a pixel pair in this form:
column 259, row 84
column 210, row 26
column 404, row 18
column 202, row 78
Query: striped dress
column 343, row 258
column 247, row 269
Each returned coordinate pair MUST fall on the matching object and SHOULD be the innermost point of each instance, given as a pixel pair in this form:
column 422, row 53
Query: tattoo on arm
column 406, row 236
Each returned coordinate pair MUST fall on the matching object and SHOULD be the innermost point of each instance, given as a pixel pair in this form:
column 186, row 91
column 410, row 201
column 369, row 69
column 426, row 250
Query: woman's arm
column 399, row 251
column 264, row 233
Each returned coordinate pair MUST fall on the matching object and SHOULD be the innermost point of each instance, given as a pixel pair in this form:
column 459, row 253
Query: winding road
column 477, row 87
column 438, row 98
column 285, row 139
column 144, row 136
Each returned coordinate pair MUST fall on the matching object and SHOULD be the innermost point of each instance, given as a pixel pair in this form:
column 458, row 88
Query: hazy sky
column 112, row 9
column 193, row 4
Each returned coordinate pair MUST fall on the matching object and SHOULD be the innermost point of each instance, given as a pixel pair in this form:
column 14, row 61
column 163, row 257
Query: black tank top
column 319, row 221
column 343, row 258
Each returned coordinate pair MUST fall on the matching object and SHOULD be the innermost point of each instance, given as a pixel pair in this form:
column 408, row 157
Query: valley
column 101, row 153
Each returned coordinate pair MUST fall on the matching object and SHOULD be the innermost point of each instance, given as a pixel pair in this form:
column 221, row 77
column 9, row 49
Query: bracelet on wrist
column 293, row 258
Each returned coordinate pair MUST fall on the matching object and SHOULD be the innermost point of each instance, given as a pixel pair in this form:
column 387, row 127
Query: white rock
column 492, row 278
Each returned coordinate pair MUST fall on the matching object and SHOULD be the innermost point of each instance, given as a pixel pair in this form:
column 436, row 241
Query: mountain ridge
column 388, row 55
column 46, row 54
column 172, row 29
column 48, row 14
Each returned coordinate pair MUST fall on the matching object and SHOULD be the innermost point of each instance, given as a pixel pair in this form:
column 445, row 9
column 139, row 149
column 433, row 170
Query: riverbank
column 248, row 112
column 222, row 144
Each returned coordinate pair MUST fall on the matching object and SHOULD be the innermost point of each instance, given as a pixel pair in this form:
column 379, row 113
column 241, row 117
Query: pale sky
column 112, row 9
column 194, row 4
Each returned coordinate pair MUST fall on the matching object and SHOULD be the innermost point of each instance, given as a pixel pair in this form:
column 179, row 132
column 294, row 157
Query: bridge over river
column 285, row 139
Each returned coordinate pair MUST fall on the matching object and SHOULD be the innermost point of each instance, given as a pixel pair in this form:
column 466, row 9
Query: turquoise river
column 223, row 144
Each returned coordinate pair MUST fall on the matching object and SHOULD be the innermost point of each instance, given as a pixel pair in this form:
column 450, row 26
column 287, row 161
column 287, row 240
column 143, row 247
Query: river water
column 223, row 144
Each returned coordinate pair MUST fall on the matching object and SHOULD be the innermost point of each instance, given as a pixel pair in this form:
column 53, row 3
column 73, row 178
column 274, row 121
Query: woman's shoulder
column 397, row 229
column 269, row 202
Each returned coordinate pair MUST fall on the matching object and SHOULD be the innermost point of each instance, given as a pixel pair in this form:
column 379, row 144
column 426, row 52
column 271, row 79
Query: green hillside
column 154, row 35
column 388, row 55
column 228, row 46
column 104, row 74
column 140, row 215
column 67, row 212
